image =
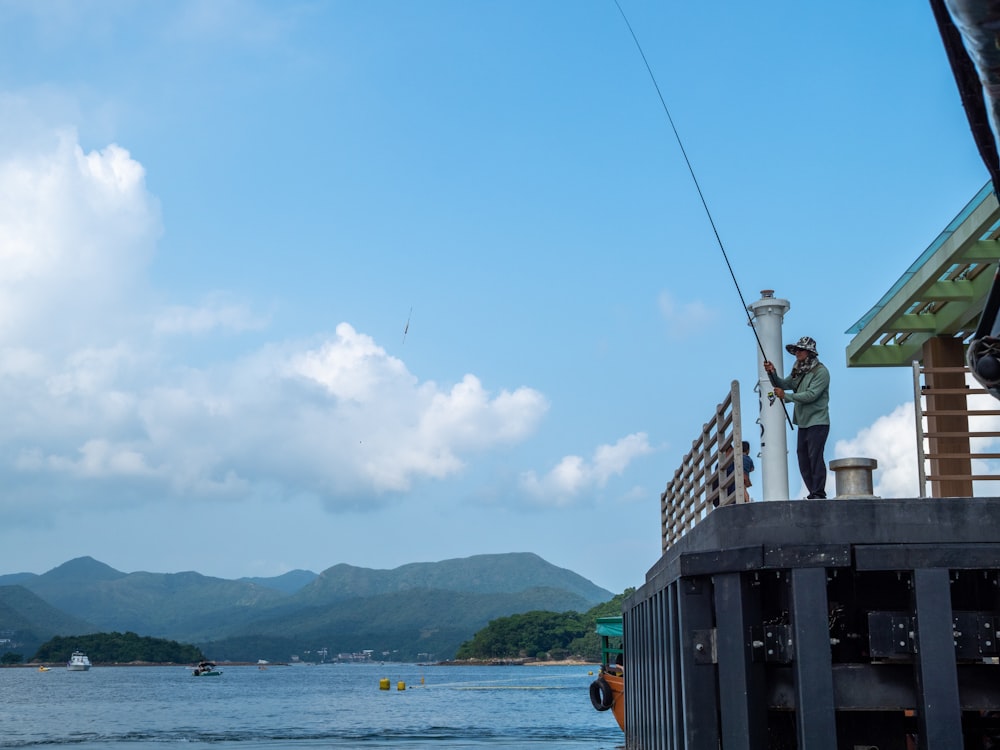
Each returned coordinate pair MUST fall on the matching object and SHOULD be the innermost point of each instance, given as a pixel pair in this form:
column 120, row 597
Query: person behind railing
column 747, row 468
column 810, row 381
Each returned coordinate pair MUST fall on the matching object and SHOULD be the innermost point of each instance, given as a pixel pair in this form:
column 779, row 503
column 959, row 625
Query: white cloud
column 100, row 458
column 686, row 319
column 397, row 429
column 76, row 233
column 351, row 367
column 339, row 421
column 573, row 475
column 96, row 406
column 892, row 441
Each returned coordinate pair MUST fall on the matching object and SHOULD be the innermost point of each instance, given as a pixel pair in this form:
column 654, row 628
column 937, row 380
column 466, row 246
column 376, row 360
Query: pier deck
column 862, row 623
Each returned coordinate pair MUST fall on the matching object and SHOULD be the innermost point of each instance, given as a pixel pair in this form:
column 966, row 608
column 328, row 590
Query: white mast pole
column 768, row 316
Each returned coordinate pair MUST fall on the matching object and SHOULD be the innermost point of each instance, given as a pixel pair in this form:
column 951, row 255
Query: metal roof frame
column 941, row 294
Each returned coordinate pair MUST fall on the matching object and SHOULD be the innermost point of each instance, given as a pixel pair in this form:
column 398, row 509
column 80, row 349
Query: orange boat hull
column 607, row 692
column 617, row 685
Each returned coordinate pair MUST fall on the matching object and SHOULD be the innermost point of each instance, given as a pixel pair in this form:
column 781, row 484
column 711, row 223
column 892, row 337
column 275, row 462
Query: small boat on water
column 44, row 669
column 206, row 669
column 608, row 690
column 78, row 662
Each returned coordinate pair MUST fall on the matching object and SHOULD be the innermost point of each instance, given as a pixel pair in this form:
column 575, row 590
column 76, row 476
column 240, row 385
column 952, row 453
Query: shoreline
column 517, row 663
column 452, row 663
column 188, row 665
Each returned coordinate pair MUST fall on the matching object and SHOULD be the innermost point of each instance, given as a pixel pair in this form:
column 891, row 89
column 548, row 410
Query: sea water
column 305, row 706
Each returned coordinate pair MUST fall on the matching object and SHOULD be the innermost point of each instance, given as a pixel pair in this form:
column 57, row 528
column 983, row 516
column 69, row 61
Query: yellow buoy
column 383, row 684
column 400, row 685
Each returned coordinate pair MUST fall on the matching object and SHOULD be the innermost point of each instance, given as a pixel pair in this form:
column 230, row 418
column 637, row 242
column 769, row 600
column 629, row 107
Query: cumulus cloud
column 574, row 475
column 76, row 231
column 97, row 408
column 892, row 441
column 684, row 319
column 339, row 421
column 404, row 428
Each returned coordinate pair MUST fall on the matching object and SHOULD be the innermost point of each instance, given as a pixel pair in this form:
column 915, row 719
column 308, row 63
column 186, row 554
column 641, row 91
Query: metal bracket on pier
column 772, row 643
column 891, row 635
column 703, row 642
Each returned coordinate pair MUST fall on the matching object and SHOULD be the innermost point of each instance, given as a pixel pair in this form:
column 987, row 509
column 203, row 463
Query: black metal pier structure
column 820, row 625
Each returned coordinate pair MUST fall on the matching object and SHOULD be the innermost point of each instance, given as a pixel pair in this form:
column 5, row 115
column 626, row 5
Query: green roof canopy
column 941, row 293
column 609, row 626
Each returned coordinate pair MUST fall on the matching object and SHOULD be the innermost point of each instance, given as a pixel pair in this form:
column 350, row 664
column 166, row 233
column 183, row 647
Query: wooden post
column 943, row 351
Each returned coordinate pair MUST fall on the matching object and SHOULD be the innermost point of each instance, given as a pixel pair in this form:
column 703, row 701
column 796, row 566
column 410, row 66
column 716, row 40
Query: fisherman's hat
column 807, row 343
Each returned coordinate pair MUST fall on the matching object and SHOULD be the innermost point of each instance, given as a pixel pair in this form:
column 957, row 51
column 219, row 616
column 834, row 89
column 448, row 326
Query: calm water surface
column 329, row 706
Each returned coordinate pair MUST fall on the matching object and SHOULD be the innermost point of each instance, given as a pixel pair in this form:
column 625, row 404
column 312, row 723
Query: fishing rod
column 771, row 376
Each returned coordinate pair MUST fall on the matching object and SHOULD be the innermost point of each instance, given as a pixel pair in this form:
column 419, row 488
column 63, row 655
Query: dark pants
column 812, row 441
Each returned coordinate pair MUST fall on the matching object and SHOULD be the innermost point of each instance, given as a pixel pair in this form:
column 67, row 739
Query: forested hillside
column 412, row 625
column 118, row 648
column 27, row 620
column 416, row 612
column 481, row 574
column 542, row 634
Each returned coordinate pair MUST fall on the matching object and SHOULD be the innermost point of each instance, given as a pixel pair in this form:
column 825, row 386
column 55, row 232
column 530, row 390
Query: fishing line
column 701, row 195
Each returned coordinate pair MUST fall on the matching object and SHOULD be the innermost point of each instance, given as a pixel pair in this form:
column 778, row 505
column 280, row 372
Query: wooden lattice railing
column 701, row 483
column 951, row 432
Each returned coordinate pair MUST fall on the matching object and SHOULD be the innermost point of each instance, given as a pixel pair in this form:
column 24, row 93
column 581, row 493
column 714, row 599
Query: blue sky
column 217, row 219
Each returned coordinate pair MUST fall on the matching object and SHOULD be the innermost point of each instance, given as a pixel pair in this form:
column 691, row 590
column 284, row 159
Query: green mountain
column 16, row 579
column 416, row 624
column 287, row 583
column 408, row 612
column 27, row 621
column 166, row 605
column 484, row 574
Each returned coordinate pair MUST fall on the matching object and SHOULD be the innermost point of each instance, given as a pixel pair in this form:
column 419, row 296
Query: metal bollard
column 854, row 477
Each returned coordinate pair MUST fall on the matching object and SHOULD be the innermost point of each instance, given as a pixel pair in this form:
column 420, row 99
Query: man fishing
column 810, row 383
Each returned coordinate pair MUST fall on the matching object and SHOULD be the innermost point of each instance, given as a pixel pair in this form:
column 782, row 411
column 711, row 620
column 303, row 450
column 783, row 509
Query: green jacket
column 811, row 396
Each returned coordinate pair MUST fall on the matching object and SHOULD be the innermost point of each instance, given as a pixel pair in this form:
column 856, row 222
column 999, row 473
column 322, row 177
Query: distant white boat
column 78, row 662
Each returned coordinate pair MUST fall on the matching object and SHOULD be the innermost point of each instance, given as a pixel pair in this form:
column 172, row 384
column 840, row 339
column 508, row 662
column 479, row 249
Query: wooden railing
column 948, row 426
column 701, row 483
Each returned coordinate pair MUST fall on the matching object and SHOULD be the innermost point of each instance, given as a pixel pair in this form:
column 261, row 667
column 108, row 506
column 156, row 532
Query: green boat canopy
column 609, row 626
